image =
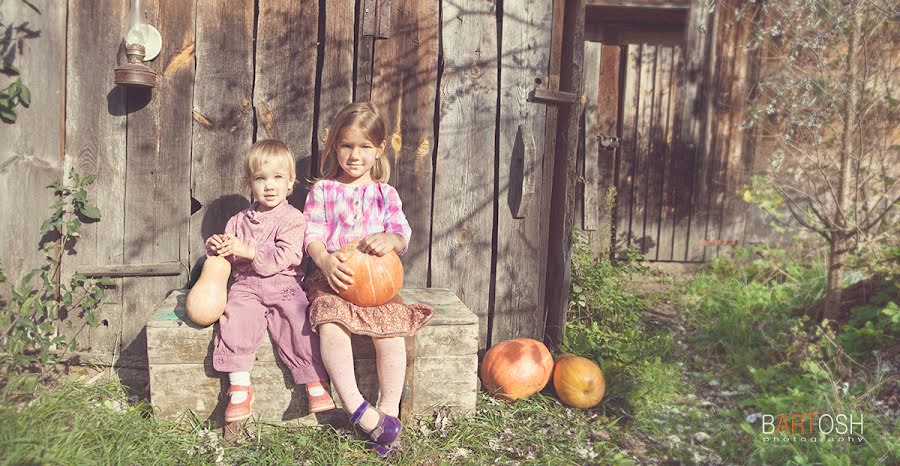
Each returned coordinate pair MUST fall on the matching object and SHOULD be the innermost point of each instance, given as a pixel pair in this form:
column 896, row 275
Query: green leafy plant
column 16, row 93
column 873, row 325
column 31, row 335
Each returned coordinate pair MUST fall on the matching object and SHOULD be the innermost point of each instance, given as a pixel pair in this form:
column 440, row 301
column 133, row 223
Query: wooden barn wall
column 469, row 150
column 683, row 161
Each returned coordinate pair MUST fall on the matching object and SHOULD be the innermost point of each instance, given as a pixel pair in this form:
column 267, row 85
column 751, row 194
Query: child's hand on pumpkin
column 338, row 274
column 379, row 244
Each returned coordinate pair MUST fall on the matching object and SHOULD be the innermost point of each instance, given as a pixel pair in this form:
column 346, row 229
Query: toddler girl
column 353, row 201
column 264, row 243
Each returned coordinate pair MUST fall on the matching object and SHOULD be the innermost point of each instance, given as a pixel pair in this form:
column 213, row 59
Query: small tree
column 826, row 103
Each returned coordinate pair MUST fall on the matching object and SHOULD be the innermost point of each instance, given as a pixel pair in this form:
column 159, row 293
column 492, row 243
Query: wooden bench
column 441, row 366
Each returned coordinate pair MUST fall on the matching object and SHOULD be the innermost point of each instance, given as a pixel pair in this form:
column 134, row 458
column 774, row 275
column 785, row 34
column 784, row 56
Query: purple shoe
column 386, row 431
column 384, row 451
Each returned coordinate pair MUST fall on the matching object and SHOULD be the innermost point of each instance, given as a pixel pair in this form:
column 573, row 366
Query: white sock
column 239, row 378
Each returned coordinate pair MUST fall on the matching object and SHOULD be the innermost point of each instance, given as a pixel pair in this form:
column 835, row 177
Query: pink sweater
column 277, row 235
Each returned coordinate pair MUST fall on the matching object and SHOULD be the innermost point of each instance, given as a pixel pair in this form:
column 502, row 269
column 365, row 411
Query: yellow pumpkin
column 206, row 300
column 515, row 369
column 578, row 381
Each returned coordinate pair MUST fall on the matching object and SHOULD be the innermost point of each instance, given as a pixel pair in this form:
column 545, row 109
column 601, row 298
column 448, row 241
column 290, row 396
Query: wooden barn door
column 684, row 159
column 654, row 179
column 491, row 168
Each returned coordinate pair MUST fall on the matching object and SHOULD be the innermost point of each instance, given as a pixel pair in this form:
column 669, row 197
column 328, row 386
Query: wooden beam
column 635, row 34
column 630, row 17
column 562, row 203
column 164, row 269
column 669, row 4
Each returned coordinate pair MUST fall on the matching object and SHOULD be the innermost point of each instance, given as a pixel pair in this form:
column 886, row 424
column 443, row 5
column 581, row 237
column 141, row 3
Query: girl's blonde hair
column 365, row 117
column 268, row 151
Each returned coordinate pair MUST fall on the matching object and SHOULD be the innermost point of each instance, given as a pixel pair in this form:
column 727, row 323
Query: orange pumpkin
column 376, row 280
column 206, row 300
column 578, row 381
column 516, row 369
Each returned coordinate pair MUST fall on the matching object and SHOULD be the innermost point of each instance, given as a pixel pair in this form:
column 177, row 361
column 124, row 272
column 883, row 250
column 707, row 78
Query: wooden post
column 562, row 202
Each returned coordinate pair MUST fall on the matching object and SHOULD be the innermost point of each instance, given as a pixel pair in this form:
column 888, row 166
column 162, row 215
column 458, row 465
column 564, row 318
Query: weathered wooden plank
column 682, row 159
column 521, row 251
column 739, row 157
column 561, row 209
column 580, row 182
column 405, row 72
column 464, row 168
column 337, row 66
column 671, row 183
column 656, row 181
column 95, row 143
column 592, row 196
column 607, row 124
column 628, row 151
column 720, row 131
column 32, row 150
column 223, row 116
column 673, row 4
column 643, row 147
column 284, row 89
column 699, row 69
column 157, row 182
column 758, row 150
column 161, row 269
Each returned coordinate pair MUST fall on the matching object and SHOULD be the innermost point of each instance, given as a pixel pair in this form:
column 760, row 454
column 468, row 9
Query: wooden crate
column 441, row 366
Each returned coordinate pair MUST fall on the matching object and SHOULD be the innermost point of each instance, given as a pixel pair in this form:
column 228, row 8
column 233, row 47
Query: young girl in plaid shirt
column 352, row 201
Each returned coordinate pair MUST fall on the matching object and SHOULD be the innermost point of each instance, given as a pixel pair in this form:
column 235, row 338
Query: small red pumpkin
column 376, row 280
column 578, row 381
column 516, row 369
column 206, row 300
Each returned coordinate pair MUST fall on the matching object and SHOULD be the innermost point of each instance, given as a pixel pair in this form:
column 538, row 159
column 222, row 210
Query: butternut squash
column 206, row 300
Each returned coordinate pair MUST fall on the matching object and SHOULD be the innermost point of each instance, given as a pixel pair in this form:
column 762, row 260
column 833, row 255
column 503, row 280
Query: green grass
column 94, row 424
column 744, row 333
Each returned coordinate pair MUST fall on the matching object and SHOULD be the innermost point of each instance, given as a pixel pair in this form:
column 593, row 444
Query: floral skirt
column 393, row 319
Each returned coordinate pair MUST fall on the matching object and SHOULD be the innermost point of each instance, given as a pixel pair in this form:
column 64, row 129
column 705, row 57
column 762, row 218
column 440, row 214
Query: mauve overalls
column 266, row 294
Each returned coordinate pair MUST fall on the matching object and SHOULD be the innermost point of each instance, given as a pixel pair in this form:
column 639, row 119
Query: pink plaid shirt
column 337, row 214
